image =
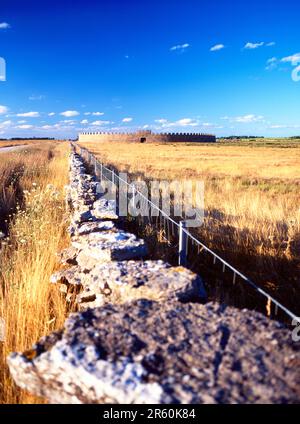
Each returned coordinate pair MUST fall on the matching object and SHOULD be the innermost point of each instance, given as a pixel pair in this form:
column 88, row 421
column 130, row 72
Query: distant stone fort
column 147, row 137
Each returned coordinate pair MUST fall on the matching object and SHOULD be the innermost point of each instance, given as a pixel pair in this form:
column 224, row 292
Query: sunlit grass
column 37, row 231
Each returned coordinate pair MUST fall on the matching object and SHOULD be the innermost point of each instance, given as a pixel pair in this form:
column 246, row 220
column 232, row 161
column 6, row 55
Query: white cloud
column 161, row 121
column 36, row 97
column 180, row 47
column 25, row 127
column 275, row 127
column 70, row 113
column 21, row 122
column 187, row 122
column 127, row 119
column 64, row 130
column 84, row 121
column 119, row 129
column 279, row 126
column 99, row 123
column 253, row 45
column 184, row 122
column 3, row 109
column 271, row 63
column 5, row 124
column 97, row 113
column 217, row 47
column 245, row 119
column 294, row 59
column 4, row 25
column 29, row 114
column 51, row 114
column 62, row 125
column 68, row 121
column 87, row 113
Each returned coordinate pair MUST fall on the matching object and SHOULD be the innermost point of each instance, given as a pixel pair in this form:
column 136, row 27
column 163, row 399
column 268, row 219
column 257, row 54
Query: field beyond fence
column 252, row 216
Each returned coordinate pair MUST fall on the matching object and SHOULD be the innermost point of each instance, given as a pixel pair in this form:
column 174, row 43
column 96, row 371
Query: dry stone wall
column 142, row 333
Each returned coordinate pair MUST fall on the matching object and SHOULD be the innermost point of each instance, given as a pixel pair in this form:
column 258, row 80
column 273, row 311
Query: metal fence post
column 182, row 244
column 133, row 195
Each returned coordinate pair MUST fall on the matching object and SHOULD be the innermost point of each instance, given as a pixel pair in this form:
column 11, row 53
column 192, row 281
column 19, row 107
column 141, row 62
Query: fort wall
column 146, row 137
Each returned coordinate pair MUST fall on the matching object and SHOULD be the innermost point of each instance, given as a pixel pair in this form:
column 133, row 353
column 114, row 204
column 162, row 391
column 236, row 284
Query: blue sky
column 223, row 67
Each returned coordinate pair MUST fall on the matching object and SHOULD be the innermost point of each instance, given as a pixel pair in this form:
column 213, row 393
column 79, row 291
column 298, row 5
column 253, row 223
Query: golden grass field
column 252, row 201
column 32, row 190
column 9, row 143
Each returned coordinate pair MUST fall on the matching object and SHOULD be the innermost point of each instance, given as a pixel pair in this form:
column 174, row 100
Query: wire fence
column 178, row 232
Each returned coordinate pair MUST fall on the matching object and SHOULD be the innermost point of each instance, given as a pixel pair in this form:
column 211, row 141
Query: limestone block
column 153, row 352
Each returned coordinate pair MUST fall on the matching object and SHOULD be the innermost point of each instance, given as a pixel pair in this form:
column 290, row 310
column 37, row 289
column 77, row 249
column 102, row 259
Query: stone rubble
column 141, row 334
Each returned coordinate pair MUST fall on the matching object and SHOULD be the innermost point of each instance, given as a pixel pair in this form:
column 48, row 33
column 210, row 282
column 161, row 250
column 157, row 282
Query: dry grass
column 18, row 169
column 19, row 142
column 37, row 231
column 252, row 202
column 172, row 161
